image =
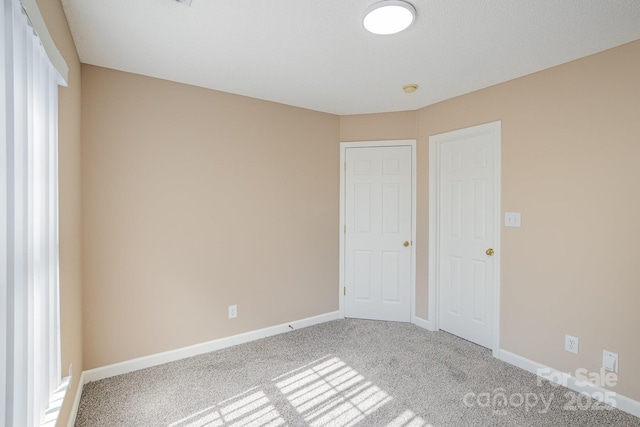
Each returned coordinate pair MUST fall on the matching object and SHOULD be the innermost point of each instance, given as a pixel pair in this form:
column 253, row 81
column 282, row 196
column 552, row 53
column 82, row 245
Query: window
column 29, row 304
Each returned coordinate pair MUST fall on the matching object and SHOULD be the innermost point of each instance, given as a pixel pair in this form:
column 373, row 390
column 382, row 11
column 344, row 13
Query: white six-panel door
column 467, row 236
column 378, row 230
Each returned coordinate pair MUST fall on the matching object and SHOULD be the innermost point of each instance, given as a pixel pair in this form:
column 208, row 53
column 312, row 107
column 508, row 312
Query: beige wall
column 194, row 200
column 379, row 127
column 570, row 165
column 69, row 188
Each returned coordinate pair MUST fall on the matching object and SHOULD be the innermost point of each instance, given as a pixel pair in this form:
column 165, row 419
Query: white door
column 378, row 221
column 467, row 235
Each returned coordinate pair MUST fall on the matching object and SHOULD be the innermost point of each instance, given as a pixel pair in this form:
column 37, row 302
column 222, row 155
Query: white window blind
column 29, row 304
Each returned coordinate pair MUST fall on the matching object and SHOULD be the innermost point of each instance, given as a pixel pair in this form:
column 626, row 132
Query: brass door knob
column 405, row 243
column 490, row 252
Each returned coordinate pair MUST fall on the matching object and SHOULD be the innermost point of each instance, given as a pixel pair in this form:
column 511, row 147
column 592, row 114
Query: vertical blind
column 29, row 302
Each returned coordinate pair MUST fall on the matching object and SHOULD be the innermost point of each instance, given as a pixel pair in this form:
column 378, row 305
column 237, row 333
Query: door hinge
column 345, row 229
column 345, row 166
column 345, row 290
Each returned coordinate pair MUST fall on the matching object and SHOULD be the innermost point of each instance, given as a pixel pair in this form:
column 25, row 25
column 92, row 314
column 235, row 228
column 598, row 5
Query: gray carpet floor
column 338, row 374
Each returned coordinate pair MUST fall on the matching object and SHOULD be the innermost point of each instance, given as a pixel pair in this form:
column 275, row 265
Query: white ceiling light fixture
column 389, row 17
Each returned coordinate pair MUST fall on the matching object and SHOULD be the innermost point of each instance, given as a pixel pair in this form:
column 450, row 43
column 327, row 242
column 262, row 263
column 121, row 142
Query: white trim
column 414, row 198
column 4, row 220
column 434, row 236
column 56, row 58
column 76, row 402
column 426, row 324
column 623, row 403
column 414, row 236
column 343, row 159
column 433, row 293
column 194, row 350
column 498, row 243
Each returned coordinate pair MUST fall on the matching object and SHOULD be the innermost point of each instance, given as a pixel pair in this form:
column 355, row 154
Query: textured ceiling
column 316, row 54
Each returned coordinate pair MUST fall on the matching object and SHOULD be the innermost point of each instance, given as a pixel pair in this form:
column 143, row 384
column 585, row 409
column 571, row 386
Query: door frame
column 368, row 144
column 435, row 142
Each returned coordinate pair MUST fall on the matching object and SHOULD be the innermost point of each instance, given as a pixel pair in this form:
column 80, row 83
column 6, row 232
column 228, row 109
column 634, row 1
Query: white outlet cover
column 571, row 344
column 233, row 311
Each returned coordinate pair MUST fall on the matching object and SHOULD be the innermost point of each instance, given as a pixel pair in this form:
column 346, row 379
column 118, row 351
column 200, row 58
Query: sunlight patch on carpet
column 408, row 419
column 251, row 408
column 331, row 393
column 325, row 393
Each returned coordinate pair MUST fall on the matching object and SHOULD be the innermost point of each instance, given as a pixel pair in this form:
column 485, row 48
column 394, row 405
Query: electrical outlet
column 571, row 344
column 233, row 311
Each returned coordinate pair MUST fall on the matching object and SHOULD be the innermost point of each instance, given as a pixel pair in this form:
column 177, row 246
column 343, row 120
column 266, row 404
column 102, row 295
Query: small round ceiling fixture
column 410, row 88
column 389, row 17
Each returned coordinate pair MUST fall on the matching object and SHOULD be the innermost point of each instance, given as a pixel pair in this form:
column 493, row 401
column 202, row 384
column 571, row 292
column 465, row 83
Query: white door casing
column 377, row 218
column 464, row 224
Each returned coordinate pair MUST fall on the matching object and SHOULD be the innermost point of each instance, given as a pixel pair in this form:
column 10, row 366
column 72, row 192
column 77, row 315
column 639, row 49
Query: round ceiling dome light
column 389, row 17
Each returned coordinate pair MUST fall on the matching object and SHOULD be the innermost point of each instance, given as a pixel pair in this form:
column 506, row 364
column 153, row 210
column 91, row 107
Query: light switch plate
column 512, row 219
column 610, row 361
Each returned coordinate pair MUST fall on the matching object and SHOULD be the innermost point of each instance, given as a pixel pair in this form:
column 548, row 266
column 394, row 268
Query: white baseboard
column 623, row 403
column 206, row 347
column 76, row 402
column 426, row 324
